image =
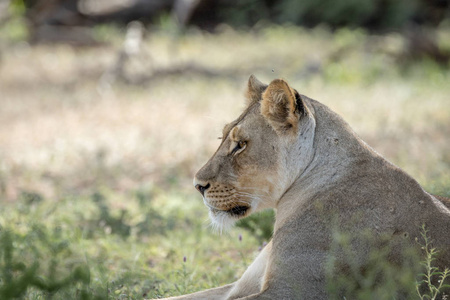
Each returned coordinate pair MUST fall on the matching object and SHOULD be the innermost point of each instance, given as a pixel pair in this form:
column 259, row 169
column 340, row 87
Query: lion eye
column 239, row 147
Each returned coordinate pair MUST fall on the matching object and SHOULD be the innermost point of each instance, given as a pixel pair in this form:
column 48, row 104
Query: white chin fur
column 221, row 221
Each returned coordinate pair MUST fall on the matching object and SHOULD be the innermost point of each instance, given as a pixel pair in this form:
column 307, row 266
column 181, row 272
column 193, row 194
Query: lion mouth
column 238, row 211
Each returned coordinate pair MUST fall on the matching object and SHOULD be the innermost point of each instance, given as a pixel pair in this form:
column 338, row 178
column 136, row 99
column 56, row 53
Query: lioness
column 293, row 154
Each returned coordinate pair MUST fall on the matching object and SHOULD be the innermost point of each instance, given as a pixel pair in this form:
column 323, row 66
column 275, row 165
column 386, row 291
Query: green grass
column 96, row 186
column 135, row 250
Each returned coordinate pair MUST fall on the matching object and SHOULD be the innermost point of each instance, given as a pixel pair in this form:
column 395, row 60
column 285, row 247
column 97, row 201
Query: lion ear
column 282, row 106
column 255, row 88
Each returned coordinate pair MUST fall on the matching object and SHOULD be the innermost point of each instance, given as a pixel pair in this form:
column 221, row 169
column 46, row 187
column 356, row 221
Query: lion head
column 261, row 154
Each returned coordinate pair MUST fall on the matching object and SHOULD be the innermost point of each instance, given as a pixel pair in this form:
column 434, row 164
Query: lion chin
column 222, row 220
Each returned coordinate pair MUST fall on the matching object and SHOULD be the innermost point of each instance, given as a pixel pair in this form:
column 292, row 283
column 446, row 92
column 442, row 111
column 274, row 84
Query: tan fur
column 444, row 200
column 278, row 106
column 303, row 160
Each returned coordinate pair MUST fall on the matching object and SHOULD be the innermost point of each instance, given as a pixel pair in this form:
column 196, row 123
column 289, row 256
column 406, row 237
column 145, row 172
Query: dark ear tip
column 254, row 89
column 254, row 83
column 252, row 80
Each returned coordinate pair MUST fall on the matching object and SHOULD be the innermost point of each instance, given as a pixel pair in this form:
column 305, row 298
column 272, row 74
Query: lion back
column 444, row 200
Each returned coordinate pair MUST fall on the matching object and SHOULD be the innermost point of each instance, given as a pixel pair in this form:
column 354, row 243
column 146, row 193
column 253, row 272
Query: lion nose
column 202, row 188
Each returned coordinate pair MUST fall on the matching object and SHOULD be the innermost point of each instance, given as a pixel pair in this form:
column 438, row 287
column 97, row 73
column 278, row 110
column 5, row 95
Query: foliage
column 371, row 14
column 19, row 276
column 84, row 248
column 388, row 14
column 377, row 278
column 433, row 281
column 259, row 225
column 15, row 29
column 17, row 7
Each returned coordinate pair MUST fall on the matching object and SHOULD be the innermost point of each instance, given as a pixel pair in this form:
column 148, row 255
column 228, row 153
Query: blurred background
column 108, row 108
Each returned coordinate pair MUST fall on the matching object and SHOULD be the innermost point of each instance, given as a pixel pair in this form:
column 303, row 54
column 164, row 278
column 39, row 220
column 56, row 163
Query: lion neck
column 336, row 152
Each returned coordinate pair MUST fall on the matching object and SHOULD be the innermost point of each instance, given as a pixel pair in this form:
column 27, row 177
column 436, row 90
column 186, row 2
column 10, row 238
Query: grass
column 96, row 186
column 432, row 290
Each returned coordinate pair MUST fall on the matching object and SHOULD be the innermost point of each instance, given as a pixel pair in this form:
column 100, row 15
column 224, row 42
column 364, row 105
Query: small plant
column 259, row 225
column 117, row 225
column 433, row 280
column 19, row 275
column 183, row 274
column 378, row 277
column 241, row 253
